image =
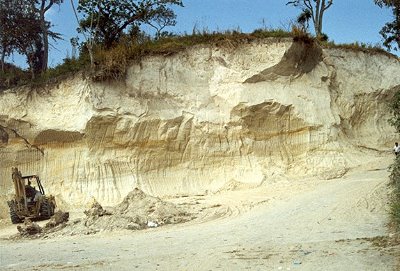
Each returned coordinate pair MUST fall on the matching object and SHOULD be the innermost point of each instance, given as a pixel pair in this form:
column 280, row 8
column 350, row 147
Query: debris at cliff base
column 137, row 211
column 33, row 230
column 147, row 208
column 59, row 219
column 29, row 228
column 95, row 211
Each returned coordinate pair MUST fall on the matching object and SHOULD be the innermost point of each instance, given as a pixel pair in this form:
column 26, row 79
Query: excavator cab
column 29, row 201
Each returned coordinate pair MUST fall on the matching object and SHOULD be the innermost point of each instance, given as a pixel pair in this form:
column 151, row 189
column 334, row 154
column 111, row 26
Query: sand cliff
column 201, row 120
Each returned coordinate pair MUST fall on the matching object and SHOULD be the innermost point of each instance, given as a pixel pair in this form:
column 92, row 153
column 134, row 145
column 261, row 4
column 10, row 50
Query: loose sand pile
column 137, row 211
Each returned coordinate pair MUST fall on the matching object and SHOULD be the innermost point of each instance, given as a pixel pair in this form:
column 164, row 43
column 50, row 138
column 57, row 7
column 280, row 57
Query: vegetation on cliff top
column 113, row 36
column 111, row 64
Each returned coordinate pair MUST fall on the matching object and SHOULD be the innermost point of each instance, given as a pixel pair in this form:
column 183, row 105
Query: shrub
column 301, row 35
column 13, row 76
column 395, row 182
column 395, row 167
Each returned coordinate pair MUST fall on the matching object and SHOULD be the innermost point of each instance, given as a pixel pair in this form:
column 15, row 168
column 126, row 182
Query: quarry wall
column 198, row 120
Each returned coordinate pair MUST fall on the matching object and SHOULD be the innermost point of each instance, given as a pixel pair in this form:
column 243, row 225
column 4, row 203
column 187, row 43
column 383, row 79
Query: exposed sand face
column 199, row 121
column 302, row 224
column 270, row 145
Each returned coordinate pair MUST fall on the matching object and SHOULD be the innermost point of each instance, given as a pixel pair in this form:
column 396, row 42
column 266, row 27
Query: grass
column 14, row 76
column 114, row 62
column 111, row 64
column 358, row 47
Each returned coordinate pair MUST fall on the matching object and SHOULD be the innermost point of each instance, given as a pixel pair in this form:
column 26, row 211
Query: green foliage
column 112, row 63
column 24, row 30
column 14, row 76
column 107, row 20
column 20, row 28
column 395, row 182
column 391, row 30
column 271, row 33
column 395, row 168
column 67, row 68
column 358, row 47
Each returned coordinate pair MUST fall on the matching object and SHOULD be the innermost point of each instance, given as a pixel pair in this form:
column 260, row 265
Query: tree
column 113, row 17
column 90, row 32
column 391, row 30
column 161, row 18
column 316, row 8
column 41, row 7
column 18, row 27
column 5, row 30
column 11, row 13
column 23, row 29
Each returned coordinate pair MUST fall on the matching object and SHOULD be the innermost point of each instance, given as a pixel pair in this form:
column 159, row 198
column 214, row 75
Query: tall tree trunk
column 319, row 34
column 89, row 46
column 92, row 37
column 31, row 67
column 317, row 18
column 45, row 35
column 317, row 9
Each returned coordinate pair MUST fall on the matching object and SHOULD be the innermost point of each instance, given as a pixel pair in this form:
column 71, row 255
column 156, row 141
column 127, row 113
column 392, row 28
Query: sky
column 346, row 21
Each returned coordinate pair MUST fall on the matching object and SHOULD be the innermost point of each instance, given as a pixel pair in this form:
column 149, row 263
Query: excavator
column 28, row 202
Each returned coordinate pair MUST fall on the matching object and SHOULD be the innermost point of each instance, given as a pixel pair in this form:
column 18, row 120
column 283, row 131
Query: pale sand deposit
column 304, row 224
column 275, row 151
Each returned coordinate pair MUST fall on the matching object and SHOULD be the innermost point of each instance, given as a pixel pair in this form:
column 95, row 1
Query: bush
column 302, row 36
column 395, row 182
column 67, row 68
column 395, row 168
column 13, row 76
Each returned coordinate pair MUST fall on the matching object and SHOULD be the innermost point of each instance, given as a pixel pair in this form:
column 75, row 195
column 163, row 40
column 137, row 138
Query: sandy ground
column 305, row 224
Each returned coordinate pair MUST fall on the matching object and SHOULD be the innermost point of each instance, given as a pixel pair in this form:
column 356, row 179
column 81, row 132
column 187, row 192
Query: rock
column 58, row 218
column 96, row 210
column 152, row 224
column 29, row 228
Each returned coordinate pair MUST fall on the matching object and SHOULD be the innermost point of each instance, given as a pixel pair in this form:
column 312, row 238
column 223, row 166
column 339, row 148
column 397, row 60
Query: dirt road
column 299, row 225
